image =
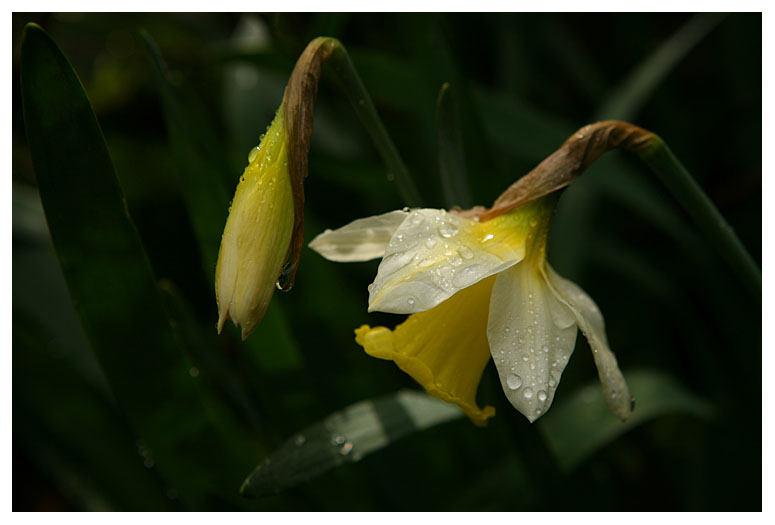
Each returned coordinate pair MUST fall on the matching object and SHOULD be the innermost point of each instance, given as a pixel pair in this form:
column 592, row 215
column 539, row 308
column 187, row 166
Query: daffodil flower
column 475, row 289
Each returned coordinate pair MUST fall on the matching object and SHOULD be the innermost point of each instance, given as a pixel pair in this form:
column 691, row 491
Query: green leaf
column 201, row 176
column 629, row 97
column 109, row 277
column 582, row 424
column 347, row 436
column 452, row 162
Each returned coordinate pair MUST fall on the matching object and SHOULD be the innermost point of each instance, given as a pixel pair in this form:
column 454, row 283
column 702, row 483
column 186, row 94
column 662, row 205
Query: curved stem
column 703, row 212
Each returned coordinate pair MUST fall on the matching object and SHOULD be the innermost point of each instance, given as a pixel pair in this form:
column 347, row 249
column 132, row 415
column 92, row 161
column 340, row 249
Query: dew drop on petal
column 527, row 392
column 541, row 395
column 465, row 252
column 513, row 381
column 447, row 230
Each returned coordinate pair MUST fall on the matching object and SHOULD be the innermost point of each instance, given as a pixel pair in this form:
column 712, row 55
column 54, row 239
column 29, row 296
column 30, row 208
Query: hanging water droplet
column 527, row 392
column 541, row 395
column 513, row 381
column 284, row 282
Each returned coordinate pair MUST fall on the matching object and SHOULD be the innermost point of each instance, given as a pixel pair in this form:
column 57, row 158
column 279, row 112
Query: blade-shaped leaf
column 630, row 96
column 578, row 427
column 452, row 162
column 201, row 178
column 109, row 278
column 347, row 436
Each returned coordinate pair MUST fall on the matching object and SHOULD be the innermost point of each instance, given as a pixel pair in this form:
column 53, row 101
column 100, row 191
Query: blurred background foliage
column 686, row 334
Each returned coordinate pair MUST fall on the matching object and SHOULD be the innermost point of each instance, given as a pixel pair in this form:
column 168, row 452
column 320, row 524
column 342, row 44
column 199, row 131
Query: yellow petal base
column 444, row 349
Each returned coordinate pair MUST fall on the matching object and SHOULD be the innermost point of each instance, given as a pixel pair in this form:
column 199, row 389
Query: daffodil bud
column 258, row 232
column 266, row 219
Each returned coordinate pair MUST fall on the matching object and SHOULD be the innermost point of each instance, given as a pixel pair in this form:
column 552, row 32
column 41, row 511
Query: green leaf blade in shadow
column 347, row 436
column 201, row 186
column 582, row 424
column 631, row 95
column 109, row 277
column 452, row 163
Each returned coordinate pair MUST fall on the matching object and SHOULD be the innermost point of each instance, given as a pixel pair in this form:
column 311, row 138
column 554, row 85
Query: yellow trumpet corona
column 258, row 233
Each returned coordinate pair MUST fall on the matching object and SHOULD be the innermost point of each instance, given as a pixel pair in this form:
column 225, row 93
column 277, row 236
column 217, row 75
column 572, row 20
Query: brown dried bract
column 561, row 167
column 298, row 105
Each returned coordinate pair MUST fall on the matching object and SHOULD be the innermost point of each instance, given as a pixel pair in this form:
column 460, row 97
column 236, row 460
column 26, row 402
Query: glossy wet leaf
column 581, row 425
column 347, row 436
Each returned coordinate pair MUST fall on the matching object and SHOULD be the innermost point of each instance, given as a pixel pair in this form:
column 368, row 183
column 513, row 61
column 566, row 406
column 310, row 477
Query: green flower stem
column 702, row 211
column 364, row 107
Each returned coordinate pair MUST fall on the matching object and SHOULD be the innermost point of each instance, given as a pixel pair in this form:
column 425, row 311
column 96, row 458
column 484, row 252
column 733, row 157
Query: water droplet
column 394, row 262
column 456, row 261
column 431, row 242
column 465, row 252
column 300, row 439
column 410, row 301
column 405, row 209
column 416, row 219
column 513, row 381
column 487, row 237
column 447, row 230
column 532, row 366
column 545, row 348
column 252, row 154
column 347, row 447
column 337, row 440
column 541, row 395
column 552, row 382
column 527, row 392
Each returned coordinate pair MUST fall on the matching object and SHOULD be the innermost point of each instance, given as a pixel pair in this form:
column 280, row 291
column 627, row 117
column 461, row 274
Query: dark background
column 524, row 82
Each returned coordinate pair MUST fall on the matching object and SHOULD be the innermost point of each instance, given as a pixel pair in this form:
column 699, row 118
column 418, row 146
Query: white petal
column 434, row 254
column 590, row 320
column 361, row 240
column 531, row 336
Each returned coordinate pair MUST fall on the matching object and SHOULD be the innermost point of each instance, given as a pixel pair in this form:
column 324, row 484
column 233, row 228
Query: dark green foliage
column 125, row 398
